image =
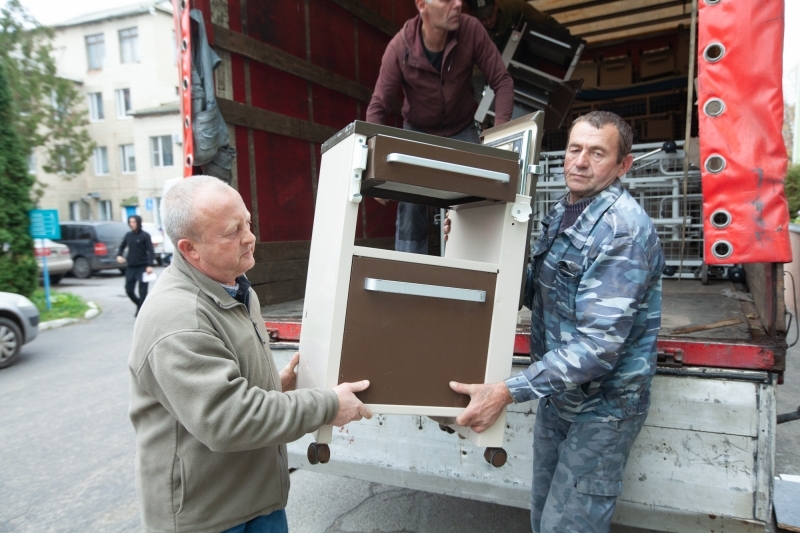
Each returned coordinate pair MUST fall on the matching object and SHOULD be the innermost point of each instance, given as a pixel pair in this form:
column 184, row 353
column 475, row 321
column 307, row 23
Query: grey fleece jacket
column 206, row 403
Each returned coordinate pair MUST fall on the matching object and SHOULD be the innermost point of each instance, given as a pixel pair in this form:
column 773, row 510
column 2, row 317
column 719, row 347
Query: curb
column 92, row 312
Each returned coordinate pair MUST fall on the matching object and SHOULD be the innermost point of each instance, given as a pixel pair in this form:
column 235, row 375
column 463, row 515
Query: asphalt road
column 67, row 446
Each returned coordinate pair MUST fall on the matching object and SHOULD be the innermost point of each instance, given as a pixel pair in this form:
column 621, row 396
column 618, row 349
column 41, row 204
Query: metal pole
column 46, row 275
column 688, row 136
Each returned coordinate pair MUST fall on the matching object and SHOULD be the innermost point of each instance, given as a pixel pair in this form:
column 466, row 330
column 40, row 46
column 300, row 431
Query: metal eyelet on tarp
column 721, row 219
column 722, row 249
column 714, row 107
column 715, row 163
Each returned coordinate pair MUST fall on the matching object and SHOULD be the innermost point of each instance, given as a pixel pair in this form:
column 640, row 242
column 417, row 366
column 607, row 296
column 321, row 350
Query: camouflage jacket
column 596, row 311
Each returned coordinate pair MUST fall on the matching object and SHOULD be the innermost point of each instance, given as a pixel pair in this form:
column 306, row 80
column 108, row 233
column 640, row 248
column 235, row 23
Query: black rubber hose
column 788, row 417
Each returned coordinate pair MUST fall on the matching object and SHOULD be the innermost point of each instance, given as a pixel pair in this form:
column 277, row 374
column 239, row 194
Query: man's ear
column 187, row 249
column 420, row 5
column 627, row 163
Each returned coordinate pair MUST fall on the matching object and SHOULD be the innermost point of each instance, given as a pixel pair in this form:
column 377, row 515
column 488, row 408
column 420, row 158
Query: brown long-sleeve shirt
column 440, row 103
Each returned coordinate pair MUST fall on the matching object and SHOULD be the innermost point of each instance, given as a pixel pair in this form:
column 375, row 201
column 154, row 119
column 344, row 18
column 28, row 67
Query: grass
column 63, row 305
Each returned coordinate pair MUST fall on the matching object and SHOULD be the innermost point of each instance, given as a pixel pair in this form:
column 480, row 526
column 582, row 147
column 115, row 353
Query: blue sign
column 148, row 204
column 44, row 224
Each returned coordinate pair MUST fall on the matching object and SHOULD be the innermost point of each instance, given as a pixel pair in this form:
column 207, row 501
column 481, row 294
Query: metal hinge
column 670, row 358
column 360, row 155
column 536, row 169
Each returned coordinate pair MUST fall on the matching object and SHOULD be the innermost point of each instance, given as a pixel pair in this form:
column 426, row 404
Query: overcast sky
column 53, row 11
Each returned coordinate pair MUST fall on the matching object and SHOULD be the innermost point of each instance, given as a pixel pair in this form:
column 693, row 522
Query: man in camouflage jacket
column 595, row 317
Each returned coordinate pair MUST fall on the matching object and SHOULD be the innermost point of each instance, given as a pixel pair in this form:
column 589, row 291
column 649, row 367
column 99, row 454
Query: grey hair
column 177, row 213
column 598, row 119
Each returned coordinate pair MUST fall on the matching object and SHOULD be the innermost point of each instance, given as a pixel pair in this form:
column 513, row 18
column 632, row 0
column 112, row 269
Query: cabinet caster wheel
column 495, row 456
column 318, row 453
column 447, row 429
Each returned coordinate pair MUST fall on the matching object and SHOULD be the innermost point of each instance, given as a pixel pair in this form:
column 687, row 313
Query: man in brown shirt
column 432, row 58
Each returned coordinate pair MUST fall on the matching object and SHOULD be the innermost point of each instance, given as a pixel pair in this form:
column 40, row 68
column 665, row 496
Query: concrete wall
column 792, row 294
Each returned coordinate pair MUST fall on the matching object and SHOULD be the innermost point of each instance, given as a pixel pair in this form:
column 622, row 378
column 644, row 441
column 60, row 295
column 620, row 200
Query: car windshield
column 112, row 232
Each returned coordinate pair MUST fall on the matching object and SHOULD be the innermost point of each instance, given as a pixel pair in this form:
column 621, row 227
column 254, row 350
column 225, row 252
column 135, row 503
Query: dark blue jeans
column 411, row 230
column 274, row 522
column 133, row 275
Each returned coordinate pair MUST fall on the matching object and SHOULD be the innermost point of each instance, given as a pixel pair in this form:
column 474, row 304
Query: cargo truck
column 701, row 87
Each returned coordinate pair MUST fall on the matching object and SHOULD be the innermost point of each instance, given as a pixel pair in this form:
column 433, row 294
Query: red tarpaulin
column 742, row 154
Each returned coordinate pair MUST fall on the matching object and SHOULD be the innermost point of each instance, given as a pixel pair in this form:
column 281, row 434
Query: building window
column 129, row 45
column 96, row 107
column 128, row 158
column 104, row 208
column 95, row 51
column 161, row 150
column 31, row 163
column 123, row 98
column 157, row 211
column 65, row 158
column 100, row 161
column 75, row 211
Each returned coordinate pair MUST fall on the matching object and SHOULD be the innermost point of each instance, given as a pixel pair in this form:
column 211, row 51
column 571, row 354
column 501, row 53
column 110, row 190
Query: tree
column 791, row 187
column 18, row 271
column 48, row 109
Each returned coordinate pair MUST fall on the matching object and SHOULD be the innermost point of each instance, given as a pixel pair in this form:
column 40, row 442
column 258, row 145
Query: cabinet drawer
column 411, row 329
column 405, row 170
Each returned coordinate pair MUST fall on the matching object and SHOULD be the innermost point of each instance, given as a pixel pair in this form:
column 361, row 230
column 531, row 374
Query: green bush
column 792, row 189
column 17, row 264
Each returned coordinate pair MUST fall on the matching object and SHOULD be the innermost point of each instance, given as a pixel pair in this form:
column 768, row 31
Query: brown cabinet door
column 411, row 346
column 433, row 175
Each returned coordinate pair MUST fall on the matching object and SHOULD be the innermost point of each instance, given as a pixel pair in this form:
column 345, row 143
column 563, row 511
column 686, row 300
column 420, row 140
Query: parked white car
column 59, row 259
column 157, row 237
column 19, row 324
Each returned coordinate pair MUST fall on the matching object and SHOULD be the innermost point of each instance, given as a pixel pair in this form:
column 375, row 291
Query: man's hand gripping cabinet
column 409, row 323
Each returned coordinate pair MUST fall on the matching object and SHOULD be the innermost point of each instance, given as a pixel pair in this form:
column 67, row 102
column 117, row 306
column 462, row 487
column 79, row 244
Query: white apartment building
column 126, row 62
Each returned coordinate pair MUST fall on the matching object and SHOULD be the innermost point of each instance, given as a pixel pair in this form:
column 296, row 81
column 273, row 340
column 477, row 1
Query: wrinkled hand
column 381, row 201
column 350, row 408
column 485, row 405
column 120, row 259
column 446, row 225
column 289, row 374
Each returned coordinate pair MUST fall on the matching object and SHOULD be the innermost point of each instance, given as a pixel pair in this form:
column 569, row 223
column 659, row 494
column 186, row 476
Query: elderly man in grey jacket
column 212, row 413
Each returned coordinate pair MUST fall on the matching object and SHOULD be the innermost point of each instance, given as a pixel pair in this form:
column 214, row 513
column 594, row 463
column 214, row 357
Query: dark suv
column 93, row 245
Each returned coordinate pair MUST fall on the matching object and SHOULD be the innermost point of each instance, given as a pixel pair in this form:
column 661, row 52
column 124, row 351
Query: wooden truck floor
column 685, row 303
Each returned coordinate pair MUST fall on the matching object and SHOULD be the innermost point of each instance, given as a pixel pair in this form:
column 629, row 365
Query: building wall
column 792, row 283
column 151, row 178
column 152, row 82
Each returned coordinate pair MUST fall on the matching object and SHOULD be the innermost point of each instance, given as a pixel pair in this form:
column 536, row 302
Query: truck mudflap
column 702, row 462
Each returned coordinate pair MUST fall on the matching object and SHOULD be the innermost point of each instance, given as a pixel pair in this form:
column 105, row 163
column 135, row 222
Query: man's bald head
column 186, row 206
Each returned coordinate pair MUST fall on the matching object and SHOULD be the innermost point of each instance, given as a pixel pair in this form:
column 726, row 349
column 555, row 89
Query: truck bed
column 703, row 462
column 685, row 303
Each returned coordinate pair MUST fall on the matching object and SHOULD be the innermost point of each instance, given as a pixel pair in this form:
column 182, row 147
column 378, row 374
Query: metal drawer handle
column 447, row 167
column 419, row 289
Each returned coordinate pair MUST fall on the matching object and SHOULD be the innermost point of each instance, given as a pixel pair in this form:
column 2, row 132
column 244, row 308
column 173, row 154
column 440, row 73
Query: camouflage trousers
column 577, row 471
